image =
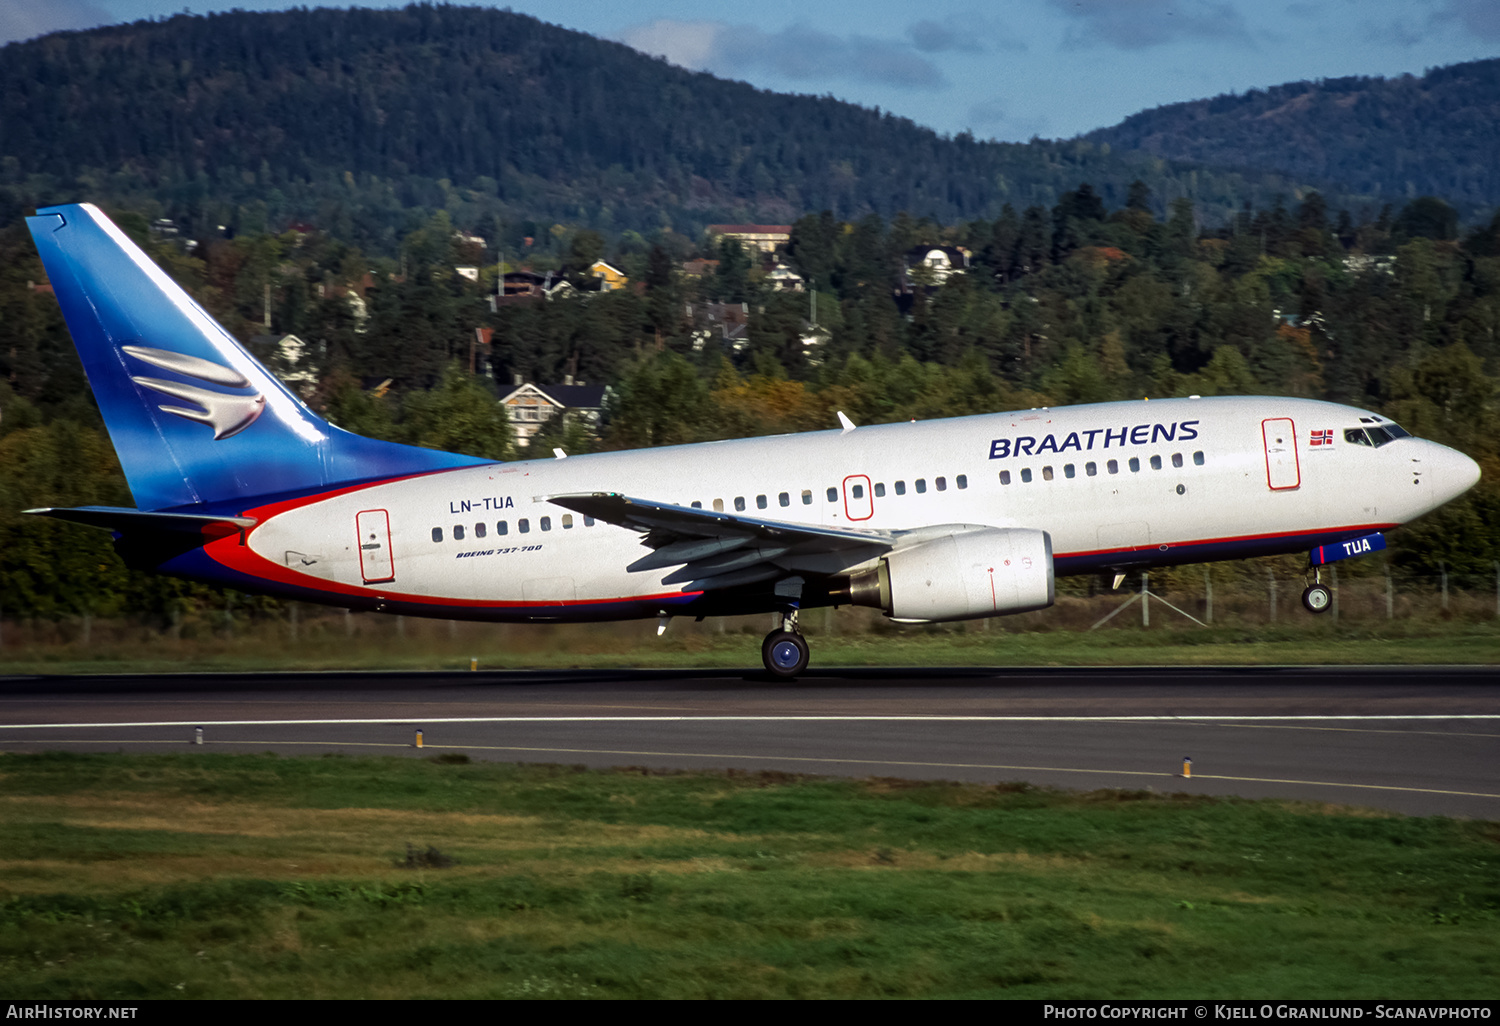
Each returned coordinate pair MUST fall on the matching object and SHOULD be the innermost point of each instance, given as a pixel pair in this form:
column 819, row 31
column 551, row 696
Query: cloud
column 688, row 44
column 23, row 20
column 992, row 119
column 965, row 32
column 1397, row 32
column 797, row 53
column 1138, row 24
column 931, row 37
column 1481, row 17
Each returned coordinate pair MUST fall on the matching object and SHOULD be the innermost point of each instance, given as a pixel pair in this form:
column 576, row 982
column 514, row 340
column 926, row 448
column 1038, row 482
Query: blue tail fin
column 195, row 419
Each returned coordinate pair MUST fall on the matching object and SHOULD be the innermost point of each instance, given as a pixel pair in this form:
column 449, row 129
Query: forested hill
column 1436, row 135
column 479, row 111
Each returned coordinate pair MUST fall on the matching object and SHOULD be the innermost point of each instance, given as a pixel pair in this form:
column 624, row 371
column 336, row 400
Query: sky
column 1005, row 69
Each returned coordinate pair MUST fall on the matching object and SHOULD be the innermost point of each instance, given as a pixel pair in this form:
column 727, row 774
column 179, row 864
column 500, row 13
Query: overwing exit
column 237, row 483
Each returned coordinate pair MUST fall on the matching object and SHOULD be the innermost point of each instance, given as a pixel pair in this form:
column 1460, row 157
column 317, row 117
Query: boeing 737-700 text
column 236, row 482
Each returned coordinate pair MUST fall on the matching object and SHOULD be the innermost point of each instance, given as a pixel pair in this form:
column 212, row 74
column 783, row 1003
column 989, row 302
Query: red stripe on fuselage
column 232, row 553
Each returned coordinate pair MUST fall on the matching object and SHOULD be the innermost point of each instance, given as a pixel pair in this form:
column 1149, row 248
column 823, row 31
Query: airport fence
column 1224, row 595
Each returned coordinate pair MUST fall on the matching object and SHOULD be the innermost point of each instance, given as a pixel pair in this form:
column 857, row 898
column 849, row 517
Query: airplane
column 238, row 483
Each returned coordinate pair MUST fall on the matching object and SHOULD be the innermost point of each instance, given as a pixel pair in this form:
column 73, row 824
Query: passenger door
column 1283, row 472
column 373, row 527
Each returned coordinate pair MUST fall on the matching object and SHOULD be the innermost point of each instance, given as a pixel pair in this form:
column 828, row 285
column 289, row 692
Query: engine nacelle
column 985, row 572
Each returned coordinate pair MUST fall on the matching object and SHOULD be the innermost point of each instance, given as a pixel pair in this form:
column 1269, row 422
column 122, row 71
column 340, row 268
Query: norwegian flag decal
column 1319, row 438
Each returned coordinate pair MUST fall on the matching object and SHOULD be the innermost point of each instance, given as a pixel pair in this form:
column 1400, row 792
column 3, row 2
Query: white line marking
column 845, row 762
column 764, row 719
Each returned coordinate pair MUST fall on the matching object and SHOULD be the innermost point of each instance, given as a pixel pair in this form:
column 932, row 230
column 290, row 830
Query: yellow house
column 610, row 277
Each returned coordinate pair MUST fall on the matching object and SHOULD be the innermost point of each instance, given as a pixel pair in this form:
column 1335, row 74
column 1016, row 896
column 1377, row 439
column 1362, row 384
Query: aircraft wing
column 721, row 550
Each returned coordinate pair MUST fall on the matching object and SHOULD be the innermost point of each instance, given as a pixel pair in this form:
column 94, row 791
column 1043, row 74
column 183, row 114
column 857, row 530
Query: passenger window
column 567, row 521
column 1156, row 463
column 739, row 503
column 962, row 481
column 806, row 497
column 1135, row 465
column 833, row 495
column 760, row 502
column 479, row 530
column 1177, row 459
column 858, row 491
column 879, row 489
column 697, row 504
column 501, row 527
column 1091, row 469
column 1026, row 475
column 921, row 485
column 546, row 523
column 437, row 534
column 1005, row 477
column 784, row 499
column 942, row 484
column 1046, row 473
column 1198, row 458
column 588, row 521
column 1113, row 466
column 1068, row 471
column 524, row 526
column 718, row 505
column 900, row 487
column 458, row 532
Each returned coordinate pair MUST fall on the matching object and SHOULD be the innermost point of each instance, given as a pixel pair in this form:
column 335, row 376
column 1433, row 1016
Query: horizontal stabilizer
column 118, row 518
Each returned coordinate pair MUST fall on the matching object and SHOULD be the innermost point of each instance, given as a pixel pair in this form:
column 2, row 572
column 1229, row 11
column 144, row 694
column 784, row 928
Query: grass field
column 216, row 876
column 852, row 638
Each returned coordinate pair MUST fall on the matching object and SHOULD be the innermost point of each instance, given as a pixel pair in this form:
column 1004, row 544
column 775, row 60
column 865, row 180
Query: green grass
column 428, row 645
column 216, row 876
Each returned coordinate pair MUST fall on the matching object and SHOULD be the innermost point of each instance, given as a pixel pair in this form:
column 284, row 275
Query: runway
column 1417, row 740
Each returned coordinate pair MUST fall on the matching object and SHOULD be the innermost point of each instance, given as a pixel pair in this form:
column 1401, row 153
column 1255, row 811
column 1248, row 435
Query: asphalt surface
column 1418, row 740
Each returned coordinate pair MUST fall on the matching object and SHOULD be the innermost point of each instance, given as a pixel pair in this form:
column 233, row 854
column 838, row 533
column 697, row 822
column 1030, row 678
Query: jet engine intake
column 986, row 572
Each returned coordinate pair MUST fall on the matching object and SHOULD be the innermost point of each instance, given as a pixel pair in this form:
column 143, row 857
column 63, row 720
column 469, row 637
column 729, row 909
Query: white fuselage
column 1116, row 485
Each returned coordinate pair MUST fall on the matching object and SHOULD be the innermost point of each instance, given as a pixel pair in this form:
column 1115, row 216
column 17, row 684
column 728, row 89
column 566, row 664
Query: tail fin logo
column 227, row 414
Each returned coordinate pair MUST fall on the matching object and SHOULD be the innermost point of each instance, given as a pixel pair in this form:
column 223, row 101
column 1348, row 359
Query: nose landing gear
column 1316, row 597
column 785, row 651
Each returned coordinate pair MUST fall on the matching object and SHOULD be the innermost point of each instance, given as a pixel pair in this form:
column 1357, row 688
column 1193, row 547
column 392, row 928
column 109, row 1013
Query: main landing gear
column 1316, row 598
column 785, row 651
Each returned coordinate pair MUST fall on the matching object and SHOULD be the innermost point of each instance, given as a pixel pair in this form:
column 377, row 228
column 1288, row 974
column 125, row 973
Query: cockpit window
column 1376, row 436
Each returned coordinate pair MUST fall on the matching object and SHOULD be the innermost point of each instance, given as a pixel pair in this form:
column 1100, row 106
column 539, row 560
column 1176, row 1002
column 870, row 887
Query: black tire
column 1317, row 599
column 785, row 654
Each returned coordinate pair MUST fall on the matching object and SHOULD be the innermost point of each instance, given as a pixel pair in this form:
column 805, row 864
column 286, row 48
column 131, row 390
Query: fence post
column 1497, row 587
column 1145, row 600
column 348, row 624
column 1443, row 574
column 291, row 614
column 1390, row 595
column 1333, row 573
column 1208, row 596
column 1271, row 581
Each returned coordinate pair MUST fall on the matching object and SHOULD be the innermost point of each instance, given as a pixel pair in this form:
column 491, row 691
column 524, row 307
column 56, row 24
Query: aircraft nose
column 1449, row 471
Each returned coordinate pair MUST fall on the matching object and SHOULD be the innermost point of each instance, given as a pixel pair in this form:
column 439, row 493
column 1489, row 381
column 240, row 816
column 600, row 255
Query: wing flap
column 722, row 550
